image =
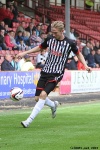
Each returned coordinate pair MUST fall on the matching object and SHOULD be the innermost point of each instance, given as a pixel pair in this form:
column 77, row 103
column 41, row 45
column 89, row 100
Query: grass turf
column 75, row 127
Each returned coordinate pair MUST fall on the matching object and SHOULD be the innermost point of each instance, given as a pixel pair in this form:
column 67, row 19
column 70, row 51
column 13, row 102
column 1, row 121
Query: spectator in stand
column 10, row 41
column 27, row 65
column 15, row 63
column 35, row 40
column 89, row 4
column 41, row 58
column 12, row 38
column 72, row 62
column 21, row 61
column 2, row 42
column 2, row 25
column 21, row 28
column 19, row 37
column 97, row 46
column 33, row 21
column 38, row 30
column 76, row 34
column 97, row 57
column 80, row 44
column 30, row 28
column 8, row 3
column 6, row 64
column 6, row 15
column 91, row 60
column 86, row 49
column 6, row 28
column 25, row 37
column 12, row 9
column 49, row 35
column 43, row 36
column 22, row 45
column 72, row 36
column 43, row 27
column 15, row 10
column 49, row 27
column 92, row 43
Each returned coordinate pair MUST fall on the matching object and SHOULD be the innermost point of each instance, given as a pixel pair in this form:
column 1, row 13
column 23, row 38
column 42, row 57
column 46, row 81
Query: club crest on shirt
column 53, row 52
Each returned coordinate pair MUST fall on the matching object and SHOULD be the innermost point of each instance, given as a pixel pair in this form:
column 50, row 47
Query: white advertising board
column 82, row 81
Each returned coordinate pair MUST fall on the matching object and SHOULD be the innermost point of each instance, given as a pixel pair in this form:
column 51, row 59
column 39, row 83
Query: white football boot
column 54, row 109
column 25, row 124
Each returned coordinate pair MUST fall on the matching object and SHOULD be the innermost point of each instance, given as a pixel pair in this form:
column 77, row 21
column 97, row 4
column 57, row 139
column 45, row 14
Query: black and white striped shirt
column 58, row 52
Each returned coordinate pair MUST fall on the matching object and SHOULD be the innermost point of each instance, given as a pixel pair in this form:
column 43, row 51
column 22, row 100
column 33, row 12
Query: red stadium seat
column 3, row 52
column 20, row 14
column 7, row 51
column 12, row 52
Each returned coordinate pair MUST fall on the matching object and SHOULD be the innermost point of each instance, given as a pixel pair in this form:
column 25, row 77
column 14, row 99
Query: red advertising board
column 65, row 84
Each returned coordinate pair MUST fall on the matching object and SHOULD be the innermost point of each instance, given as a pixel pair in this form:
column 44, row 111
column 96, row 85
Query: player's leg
column 50, row 86
column 37, row 108
column 40, row 98
column 52, row 104
column 43, row 100
column 43, row 89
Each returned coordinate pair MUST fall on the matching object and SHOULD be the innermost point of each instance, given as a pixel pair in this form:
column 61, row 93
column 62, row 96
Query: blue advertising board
column 27, row 81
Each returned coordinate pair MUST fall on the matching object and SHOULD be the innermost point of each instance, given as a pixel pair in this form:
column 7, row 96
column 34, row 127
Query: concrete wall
column 53, row 2
column 79, row 3
column 3, row 1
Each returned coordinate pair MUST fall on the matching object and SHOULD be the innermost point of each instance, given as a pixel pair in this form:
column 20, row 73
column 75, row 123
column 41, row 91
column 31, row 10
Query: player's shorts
column 47, row 82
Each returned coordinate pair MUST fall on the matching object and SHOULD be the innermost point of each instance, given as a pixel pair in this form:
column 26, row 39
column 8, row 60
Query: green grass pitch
column 77, row 126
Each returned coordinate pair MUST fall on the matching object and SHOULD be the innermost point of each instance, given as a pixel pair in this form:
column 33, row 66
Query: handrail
column 88, row 37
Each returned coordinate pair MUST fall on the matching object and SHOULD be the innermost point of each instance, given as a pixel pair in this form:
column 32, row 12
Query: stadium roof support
column 67, row 17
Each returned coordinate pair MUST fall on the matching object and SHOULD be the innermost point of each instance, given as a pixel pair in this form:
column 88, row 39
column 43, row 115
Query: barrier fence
column 72, row 82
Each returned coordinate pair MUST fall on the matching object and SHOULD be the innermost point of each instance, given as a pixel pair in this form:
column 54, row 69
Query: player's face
column 58, row 34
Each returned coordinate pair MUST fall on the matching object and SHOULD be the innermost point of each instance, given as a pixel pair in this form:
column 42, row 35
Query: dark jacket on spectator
column 97, row 58
column 85, row 51
column 2, row 44
column 90, row 59
column 7, row 66
column 29, row 30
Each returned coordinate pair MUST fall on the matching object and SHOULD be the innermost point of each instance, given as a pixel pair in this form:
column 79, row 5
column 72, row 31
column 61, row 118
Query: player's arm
column 42, row 46
column 33, row 50
column 81, row 58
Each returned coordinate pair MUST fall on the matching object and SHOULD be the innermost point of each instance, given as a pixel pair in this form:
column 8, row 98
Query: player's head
column 57, row 29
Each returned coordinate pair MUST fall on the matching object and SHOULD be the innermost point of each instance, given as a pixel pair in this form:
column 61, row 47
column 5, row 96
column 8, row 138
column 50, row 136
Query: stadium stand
column 84, row 22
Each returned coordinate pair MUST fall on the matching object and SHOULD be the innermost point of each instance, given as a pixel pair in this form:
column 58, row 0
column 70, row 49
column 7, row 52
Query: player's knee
column 43, row 95
column 36, row 98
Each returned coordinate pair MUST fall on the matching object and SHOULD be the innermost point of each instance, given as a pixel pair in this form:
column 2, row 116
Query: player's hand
column 21, row 54
column 89, row 69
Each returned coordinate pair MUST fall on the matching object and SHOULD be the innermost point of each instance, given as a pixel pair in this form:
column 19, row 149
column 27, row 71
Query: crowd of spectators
column 90, row 51
column 23, row 38
column 27, row 37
